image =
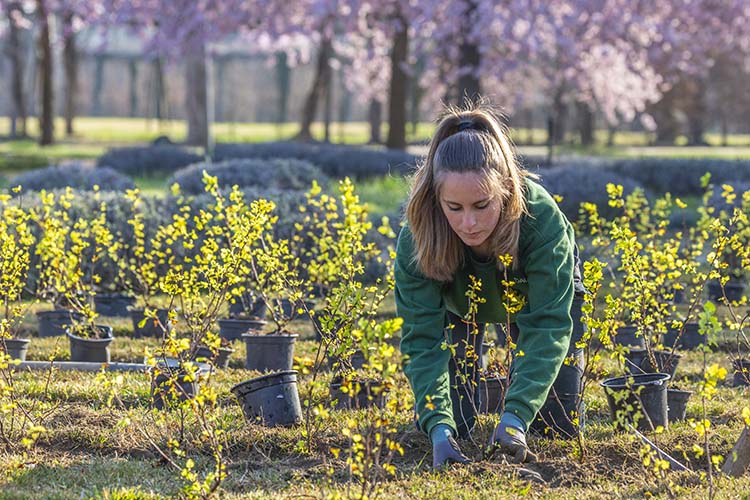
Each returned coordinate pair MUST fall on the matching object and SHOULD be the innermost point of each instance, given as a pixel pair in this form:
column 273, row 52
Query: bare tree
column 46, row 119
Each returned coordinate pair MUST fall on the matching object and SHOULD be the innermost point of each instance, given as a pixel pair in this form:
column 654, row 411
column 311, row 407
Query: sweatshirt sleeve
column 544, row 323
column 420, row 304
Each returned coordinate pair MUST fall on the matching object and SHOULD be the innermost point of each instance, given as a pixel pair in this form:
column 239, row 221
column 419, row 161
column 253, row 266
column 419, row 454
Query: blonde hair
column 467, row 140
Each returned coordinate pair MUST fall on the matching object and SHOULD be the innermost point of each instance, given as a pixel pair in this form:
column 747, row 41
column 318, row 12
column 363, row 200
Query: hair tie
column 465, row 125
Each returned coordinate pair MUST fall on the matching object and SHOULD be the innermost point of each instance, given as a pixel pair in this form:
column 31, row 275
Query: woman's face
column 471, row 209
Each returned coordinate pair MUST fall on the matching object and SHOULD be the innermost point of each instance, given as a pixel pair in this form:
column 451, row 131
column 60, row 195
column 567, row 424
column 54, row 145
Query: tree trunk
column 738, row 460
column 159, row 90
column 96, row 99
column 560, row 111
column 196, row 99
column 417, row 93
column 320, row 83
column 375, row 118
column 399, row 85
column 70, row 61
column 220, row 63
column 345, row 105
column 611, row 132
column 328, row 111
column 468, row 83
column 663, row 112
column 528, row 118
column 46, row 119
column 585, row 123
column 18, row 102
column 133, row 72
column 696, row 112
column 283, row 74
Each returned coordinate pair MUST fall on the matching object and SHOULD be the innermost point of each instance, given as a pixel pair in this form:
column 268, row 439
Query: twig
column 674, row 464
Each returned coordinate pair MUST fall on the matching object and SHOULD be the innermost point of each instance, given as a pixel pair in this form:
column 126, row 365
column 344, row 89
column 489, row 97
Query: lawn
column 85, row 453
column 94, row 135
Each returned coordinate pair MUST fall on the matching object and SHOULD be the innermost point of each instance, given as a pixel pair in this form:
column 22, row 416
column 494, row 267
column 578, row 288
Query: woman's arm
column 544, row 323
column 419, row 303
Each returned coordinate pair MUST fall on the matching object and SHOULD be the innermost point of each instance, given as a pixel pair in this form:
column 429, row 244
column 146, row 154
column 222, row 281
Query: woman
column 470, row 203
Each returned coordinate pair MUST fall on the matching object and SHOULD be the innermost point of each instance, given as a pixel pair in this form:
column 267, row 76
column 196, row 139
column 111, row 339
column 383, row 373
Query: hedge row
column 149, row 161
column 273, row 173
column 75, row 175
column 337, row 161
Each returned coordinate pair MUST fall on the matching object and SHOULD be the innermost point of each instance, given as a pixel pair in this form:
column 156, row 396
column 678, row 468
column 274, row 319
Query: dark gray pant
column 563, row 405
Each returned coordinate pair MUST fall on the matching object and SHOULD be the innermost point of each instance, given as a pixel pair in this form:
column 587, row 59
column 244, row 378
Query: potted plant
column 203, row 263
column 275, row 273
column 67, row 251
column 142, row 263
column 16, row 241
column 246, row 316
column 734, row 256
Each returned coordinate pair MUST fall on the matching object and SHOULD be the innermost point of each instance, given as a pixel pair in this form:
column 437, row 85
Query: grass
column 85, row 454
column 94, row 135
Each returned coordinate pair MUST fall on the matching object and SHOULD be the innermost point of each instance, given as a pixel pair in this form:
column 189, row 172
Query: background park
column 188, row 183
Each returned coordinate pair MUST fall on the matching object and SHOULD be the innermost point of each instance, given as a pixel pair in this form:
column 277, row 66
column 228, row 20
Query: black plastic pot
column 219, row 359
column 741, row 372
column 255, row 308
column 232, row 329
column 677, row 404
column 638, row 399
column 367, row 393
column 266, row 353
column 151, row 328
column 174, row 384
column 94, row 349
column 626, row 336
column 357, row 360
column 637, row 361
column 291, row 309
column 15, row 348
column 732, row 289
column 690, row 338
column 491, row 393
column 53, row 323
column 113, row 304
column 270, row 400
column 563, row 412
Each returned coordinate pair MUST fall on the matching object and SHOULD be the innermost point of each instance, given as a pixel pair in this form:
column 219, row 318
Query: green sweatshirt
column 544, row 277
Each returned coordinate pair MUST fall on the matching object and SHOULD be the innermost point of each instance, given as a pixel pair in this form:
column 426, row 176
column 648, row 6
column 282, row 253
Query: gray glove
column 445, row 449
column 509, row 439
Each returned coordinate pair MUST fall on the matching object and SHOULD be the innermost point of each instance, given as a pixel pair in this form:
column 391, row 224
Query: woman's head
column 469, row 191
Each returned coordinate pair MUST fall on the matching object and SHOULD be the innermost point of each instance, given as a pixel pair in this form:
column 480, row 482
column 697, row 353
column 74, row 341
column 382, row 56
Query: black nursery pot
column 741, row 372
column 491, row 393
column 232, row 329
column 113, row 304
column 271, row 400
column 637, row 361
column 626, row 336
column 638, row 399
column 219, row 359
column 174, row 384
column 370, row 393
column 257, row 308
column 94, row 349
column 677, row 404
column 266, row 353
column 291, row 309
column 53, row 323
column 15, row 348
column 151, row 328
column 732, row 289
column 690, row 339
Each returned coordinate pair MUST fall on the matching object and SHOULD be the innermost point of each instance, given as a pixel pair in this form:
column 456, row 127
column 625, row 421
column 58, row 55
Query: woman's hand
column 445, row 449
column 509, row 439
